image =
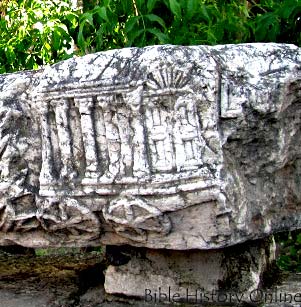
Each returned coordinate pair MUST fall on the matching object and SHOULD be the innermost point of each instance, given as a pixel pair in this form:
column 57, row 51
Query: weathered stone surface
column 161, row 147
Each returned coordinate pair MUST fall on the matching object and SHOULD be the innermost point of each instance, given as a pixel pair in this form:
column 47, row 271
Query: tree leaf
column 106, row 3
column 62, row 29
column 150, row 5
column 287, row 8
column 10, row 54
column 267, row 27
column 163, row 38
column 99, row 38
column 127, row 7
column 175, row 8
column 140, row 4
column 133, row 35
column 155, row 18
column 86, row 18
column 191, row 8
column 80, row 38
column 131, row 22
column 204, row 12
column 56, row 39
column 47, row 46
column 102, row 13
column 72, row 18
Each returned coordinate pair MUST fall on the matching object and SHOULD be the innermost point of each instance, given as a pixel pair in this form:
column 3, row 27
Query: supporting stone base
column 229, row 275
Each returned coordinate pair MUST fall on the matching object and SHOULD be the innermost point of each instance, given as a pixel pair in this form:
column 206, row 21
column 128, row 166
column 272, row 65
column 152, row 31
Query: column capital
column 85, row 104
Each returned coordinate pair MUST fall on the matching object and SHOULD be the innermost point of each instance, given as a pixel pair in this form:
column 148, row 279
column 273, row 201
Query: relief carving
column 11, row 182
column 13, row 173
column 19, row 214
column 129, row 133
column 22, row 211
column 67, row 216
column 106, row 139
column 133, row 218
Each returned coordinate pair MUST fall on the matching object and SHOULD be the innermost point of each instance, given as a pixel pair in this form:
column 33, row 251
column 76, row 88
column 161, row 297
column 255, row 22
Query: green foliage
column 290, row 251
column 116, row 24
column 56, row 251
column 68, row 250
column 278, row 21
column 35, row 32
column 38, row 32
column 122, row 23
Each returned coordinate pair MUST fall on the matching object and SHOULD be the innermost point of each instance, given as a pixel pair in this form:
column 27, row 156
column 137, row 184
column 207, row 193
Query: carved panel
column 159, row 130
column 133, row 218
column 68, row 216
column 108, row 135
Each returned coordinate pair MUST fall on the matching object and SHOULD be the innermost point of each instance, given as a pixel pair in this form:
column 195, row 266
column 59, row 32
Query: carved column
column 140, row 162
column 112, row 135
column 113, row 143
column 85, row 106
column 46, row 175
column 126, row 161
column 64, row 137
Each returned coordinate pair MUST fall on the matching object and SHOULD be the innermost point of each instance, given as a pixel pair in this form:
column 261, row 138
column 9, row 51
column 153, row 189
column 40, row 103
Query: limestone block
column 161, row 147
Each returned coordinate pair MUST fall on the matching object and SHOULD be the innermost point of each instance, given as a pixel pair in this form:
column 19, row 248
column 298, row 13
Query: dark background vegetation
column 39, row 32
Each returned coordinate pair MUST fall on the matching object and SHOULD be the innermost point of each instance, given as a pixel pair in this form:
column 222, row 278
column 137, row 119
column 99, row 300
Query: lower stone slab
column 215, row 276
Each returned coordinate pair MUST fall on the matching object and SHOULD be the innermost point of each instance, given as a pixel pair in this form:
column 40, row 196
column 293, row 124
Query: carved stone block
column 161, row 147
